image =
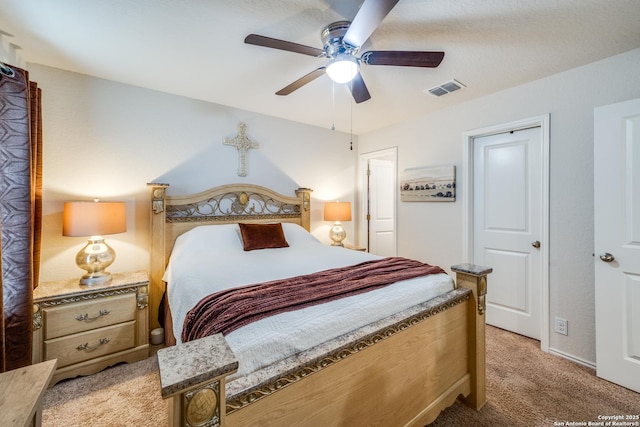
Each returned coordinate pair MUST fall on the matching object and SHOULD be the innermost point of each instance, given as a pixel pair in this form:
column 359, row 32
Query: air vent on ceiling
column 446, row 87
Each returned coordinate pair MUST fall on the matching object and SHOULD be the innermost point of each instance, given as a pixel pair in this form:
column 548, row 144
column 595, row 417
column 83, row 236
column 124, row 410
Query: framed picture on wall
column 428, row 184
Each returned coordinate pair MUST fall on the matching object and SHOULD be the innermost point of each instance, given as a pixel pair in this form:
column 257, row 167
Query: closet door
column 508, row 226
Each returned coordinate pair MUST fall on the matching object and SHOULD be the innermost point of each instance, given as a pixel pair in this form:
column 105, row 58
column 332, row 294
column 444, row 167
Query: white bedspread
column 210, row 258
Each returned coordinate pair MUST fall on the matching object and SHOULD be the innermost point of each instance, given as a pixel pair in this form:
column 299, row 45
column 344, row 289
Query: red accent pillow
column 262, row 236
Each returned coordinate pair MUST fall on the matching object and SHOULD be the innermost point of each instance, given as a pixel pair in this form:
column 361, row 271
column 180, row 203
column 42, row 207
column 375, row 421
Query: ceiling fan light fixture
column 342, row 69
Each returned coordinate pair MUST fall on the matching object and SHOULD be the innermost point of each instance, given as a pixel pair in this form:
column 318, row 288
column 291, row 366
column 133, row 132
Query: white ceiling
column 195, row 48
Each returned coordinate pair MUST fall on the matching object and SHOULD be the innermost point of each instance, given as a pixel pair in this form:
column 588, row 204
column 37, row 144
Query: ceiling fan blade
column 358, row 89
column 370, row 15
column 264, row 41
column 403, row 58
column 301, row 81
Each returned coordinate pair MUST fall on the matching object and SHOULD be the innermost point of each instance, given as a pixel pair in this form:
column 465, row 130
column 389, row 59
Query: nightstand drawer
column 88, row 315
column 89, row 345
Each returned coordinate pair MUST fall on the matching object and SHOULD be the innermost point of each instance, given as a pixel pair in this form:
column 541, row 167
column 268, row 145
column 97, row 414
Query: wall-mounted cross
column 242, row 144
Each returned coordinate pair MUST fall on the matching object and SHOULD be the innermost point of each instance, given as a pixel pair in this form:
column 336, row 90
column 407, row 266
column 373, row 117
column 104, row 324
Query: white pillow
column 210, row 238
column 296, row 235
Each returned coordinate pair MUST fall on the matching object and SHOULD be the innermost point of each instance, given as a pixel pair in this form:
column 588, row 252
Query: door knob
column 536, row 244
column 607, row 257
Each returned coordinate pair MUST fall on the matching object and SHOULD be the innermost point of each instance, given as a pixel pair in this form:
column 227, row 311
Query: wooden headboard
column 172, row 216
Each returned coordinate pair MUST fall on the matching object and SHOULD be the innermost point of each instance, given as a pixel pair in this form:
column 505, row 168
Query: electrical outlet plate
column 561, row 326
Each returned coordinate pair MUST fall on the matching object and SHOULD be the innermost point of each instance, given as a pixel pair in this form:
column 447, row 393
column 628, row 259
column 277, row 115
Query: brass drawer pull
column 85, row 317
column 86, row 347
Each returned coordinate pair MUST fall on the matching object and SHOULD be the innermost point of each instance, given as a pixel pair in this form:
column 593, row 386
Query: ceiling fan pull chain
column 351, row 113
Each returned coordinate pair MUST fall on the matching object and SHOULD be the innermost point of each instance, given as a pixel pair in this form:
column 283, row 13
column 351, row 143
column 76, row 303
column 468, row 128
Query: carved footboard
column 403, row 370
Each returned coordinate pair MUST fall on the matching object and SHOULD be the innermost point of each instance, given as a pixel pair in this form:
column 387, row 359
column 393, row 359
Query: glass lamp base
column 95, row 258
column 337, row 234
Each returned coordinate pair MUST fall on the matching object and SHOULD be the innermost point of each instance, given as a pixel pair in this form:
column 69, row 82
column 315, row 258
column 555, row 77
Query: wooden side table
column 88, row 328
column 21, row 392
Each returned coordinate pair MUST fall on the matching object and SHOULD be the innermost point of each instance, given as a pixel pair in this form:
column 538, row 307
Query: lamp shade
column 93, row 218
column 337, row 211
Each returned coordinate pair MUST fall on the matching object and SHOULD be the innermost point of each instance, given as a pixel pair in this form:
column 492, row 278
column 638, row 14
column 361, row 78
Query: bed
column 400, row 364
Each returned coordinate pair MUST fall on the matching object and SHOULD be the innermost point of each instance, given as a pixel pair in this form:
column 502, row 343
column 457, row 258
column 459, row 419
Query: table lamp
column 337, row 211
column 94, row 219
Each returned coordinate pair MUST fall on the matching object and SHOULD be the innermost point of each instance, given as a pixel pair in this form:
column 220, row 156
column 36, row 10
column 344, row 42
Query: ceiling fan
column 342, row 41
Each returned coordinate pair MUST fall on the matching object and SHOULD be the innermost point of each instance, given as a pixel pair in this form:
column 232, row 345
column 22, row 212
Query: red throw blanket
column 228, row 310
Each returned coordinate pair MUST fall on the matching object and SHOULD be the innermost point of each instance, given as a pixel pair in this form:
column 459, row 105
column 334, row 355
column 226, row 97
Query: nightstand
column 88, row 328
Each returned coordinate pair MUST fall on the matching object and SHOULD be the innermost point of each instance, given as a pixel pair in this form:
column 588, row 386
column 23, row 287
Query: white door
column 382, row 240
column 507, row 212
column 617, row 242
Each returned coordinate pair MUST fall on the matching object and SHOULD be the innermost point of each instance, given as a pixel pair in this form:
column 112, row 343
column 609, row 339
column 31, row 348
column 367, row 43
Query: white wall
column 105, row 139
column 433, row 231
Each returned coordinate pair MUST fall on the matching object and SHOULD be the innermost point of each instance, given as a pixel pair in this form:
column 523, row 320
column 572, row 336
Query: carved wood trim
column 86, row 297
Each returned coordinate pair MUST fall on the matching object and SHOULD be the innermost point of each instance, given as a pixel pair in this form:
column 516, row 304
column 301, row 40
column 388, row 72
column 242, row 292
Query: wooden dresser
column 88, row 328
